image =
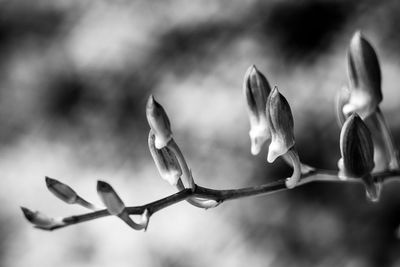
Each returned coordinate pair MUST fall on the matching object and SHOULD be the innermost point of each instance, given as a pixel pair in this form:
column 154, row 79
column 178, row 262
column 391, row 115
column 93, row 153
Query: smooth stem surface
column 230, row 194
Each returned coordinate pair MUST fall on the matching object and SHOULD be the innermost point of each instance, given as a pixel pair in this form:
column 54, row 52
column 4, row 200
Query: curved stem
column 200, row 203
column 292, row 181
column 187, row 176
column 220, row 196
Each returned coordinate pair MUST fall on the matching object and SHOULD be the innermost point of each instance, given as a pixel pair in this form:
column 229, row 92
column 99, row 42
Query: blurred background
column 74, row 80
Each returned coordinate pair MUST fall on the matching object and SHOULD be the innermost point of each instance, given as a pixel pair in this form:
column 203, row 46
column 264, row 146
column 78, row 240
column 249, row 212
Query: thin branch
column 224, row 195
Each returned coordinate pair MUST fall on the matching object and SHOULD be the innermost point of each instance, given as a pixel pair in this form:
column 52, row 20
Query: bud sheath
column 159, row 122
column 256, row 90
column 165, row 160
column 62, row 191
column 280, row 121
column 365, row 77
column 110, row 198
column 356, row 147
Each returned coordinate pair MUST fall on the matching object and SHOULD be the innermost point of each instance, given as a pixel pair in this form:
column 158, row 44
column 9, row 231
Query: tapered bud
column 62, row 191
column 166, row 161
column 115, row 206
column 342, row 98
column 39, row 219
column 256, row 90
column 110, row 198
column 159, row 122
column 356, row 148
column 357, row 152
column 280, row 121
column 365, row 78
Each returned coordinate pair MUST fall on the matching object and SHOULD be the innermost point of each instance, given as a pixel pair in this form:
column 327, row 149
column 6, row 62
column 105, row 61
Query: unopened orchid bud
column 356, row 148
column 357, row 152
column 165, row 160
column 365, row 78
column 256, row 89
column 280, row 121
column 62, row 191
column 159, row 122
column 116, row 207
column 39, row 219
column 110, row 198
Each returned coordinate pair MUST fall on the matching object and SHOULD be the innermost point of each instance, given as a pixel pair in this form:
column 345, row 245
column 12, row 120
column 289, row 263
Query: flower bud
column 159, row 122
column 365, row 78
column 115, row 206
column 280, row 122
column 256, row 89
column 356, row 148
column 62, row 191
column 39, row 219
column 165, row 160
column 110, row 198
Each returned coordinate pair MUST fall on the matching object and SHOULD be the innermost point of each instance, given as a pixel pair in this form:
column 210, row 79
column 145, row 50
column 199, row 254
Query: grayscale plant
column 363, row 131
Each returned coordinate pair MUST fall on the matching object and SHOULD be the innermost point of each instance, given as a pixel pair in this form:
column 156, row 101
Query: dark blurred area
column 75, row 77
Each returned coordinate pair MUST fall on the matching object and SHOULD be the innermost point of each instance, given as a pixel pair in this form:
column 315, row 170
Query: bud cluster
column 364, row 131
column 167, row 155
column 271, row 120
column 364, row 134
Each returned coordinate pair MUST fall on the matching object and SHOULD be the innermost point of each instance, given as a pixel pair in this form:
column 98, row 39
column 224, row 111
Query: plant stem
column 316, row 175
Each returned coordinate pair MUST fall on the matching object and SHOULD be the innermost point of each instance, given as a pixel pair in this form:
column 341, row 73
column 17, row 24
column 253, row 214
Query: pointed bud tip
column 357, row 39
column 150, row 101
column 250, row 70
column 104, row 187
column 50, row 181
column 274, row 92
column 357, row 35
column 27, row 213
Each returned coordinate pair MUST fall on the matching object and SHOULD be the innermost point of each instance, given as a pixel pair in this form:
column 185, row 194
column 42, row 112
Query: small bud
column 356, row 148
column 256, row 89
column 110, row 198
column 280, row 121
column 357, row 152
column 165, row 160
column 116, row 207
column 37, row 218
column 159, row 122
column 342, row 98
column 365, row 78
column 62, row 191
